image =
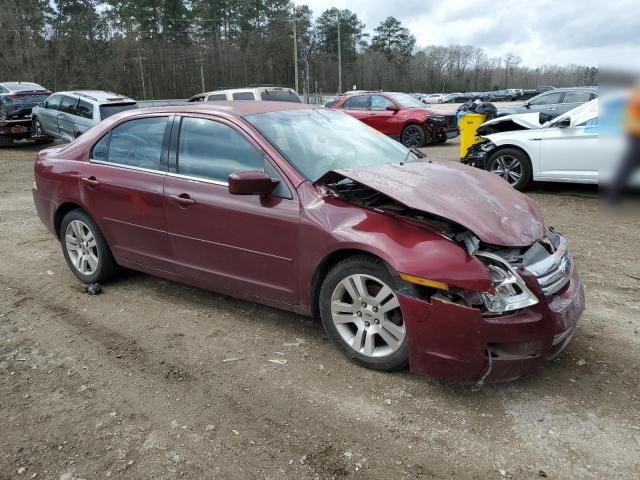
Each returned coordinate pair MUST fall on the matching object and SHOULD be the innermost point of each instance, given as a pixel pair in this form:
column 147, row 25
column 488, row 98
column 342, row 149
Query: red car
column 401, row 116
column 438, row 266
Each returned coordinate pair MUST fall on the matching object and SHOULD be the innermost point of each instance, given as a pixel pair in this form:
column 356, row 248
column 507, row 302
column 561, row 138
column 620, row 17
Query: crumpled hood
column 480, row 201
column 527, row 120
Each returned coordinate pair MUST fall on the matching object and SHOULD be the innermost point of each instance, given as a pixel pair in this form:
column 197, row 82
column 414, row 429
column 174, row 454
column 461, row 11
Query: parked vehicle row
column 407, row 261
column 257, row 94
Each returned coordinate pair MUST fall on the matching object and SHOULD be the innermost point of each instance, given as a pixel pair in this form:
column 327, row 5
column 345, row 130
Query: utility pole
column 339, row 57
column 295, row 47
column 139, row 59
column 201, row 62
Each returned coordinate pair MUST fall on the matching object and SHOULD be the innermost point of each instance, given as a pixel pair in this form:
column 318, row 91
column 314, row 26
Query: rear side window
column 331, row 103
column 108, row 110
column 548, row 99
column 213, row 151
column 84, row 110
column 280, row 96
column 361, row 102
column 136, row 143
column 217, row 97
column 243, row 96
column 576, row 97
column 68, row 104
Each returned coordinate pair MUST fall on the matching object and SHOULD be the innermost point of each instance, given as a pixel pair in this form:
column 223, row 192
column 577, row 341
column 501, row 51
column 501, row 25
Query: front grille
column 553, row 272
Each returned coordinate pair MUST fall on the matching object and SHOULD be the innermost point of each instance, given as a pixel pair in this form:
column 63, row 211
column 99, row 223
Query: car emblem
column 565, row 267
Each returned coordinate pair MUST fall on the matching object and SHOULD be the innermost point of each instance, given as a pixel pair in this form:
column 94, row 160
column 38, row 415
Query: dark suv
column 18, row 98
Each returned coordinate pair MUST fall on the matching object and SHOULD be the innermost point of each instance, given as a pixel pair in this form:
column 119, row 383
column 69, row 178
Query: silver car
column 67, row 115
column 554, row 102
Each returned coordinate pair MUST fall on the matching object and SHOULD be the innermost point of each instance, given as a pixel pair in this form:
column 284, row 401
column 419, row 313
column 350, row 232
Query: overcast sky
column 589, row 32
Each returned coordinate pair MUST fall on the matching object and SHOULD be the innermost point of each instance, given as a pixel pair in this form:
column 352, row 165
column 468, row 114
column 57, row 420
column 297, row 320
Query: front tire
column 39, row 134
column 512, row 165
column 85, row 248
column 413, row 136
column 361, row 314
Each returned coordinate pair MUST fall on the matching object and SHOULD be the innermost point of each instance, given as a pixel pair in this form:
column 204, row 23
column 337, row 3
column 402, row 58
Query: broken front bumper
column 454, row 343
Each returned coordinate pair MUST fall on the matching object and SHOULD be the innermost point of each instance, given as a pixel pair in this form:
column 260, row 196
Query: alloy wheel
column 412, row 137
column 367, row 315
column 82, row 247
column 509, row 168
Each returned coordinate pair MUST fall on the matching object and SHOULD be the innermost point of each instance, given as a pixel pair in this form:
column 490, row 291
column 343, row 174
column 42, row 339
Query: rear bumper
column 45, row 209
column 454, row 343
column 17, row 129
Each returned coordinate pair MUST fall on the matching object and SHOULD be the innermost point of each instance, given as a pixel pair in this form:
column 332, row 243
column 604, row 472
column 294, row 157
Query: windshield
column 108, row 110
column 407, row 101
column 320, row 140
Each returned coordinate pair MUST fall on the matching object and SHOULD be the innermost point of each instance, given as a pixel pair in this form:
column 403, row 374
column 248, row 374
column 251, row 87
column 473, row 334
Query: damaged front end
column 525, row 315
column 478, row 154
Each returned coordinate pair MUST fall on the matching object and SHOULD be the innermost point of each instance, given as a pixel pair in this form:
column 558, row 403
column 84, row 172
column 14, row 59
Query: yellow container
column 469, row 125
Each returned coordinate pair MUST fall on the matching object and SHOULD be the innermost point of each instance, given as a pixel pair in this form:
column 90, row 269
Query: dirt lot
column 157, row 380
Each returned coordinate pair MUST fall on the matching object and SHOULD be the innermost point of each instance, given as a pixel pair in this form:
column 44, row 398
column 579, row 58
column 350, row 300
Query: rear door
column 358, row 107
column 84, row 117
column 547, row 103
column 66, row 114
column 573, row 99
column 244, row 244
column 121, row 187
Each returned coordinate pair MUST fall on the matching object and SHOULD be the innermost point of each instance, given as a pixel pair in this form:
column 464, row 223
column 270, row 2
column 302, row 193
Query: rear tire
column 512, row 165
column 362, row 317
column 85, row 248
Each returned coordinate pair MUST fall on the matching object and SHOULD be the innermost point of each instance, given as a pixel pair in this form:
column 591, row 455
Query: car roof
column 22, row 86
column 99, row 96
column 238, row 108
column 572, row 89
column 247, row 89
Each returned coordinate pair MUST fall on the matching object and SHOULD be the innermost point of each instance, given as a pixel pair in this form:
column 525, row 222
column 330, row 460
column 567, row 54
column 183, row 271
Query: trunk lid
column 479, row 201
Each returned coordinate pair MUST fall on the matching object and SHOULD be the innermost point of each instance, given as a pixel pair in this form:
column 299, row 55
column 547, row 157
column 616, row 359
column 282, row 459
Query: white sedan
column 521, row 149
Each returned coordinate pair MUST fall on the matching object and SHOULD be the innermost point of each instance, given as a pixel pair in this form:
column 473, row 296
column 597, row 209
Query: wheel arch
column 60, row 213
column 326, row 264
column 506, row 146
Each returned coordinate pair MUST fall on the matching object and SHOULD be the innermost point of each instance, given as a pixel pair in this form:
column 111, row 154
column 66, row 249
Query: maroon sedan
column 438, row 266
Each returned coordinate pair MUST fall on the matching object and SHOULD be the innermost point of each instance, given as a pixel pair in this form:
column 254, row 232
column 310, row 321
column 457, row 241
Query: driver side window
column 137, row 143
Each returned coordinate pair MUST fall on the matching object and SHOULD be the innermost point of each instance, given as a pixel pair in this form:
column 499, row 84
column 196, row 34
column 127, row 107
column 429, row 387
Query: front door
column 122, row 186
column 383, row 120
column 571, row 153
column 245, row 244
column 66, row 114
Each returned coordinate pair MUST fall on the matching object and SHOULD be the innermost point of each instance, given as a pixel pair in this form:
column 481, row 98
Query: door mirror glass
column 251, row 183
column 393, row 108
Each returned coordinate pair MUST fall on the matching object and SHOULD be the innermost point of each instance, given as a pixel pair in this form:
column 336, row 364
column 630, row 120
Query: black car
column 18, row 98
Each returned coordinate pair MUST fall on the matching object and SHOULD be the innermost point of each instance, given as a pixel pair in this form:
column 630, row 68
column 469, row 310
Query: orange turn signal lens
column 424, row 282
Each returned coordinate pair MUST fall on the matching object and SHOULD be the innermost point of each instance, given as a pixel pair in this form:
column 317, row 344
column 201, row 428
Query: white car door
column 571, row 153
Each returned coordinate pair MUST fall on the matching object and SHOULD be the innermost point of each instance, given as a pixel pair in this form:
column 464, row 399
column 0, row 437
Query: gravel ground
column 154, row 379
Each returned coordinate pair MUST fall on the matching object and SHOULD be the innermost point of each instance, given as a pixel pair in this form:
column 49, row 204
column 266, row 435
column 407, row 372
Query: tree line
column 171, row 48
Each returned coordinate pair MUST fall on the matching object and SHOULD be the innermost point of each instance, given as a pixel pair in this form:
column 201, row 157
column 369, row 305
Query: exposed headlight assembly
column 511, row 293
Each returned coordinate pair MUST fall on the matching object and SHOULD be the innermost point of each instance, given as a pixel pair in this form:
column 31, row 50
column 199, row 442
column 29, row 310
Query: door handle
column 90, row 181
column 183, row 199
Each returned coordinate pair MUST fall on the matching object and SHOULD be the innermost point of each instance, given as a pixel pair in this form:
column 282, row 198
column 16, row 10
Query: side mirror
column 393, row 108
column 526, row 105
column 564, row 123
column 251, row 183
